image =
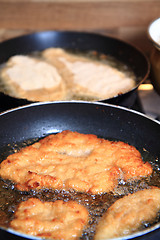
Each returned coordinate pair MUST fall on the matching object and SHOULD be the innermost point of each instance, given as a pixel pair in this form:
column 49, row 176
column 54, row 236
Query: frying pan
column 37, row 120
column 82, row 41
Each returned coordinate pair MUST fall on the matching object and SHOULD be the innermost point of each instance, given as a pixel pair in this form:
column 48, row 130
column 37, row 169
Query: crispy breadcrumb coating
column 72, row 160
column 52, row 220
column 127, row 214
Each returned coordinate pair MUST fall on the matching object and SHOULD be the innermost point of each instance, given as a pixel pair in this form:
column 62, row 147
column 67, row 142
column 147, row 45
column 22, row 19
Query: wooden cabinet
column 125, row 19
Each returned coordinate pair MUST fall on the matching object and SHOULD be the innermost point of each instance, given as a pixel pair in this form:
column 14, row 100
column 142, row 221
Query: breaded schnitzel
column 127, row 214
column 51, row 220
column 72, row 160
column 105, row 81
column 33, row 79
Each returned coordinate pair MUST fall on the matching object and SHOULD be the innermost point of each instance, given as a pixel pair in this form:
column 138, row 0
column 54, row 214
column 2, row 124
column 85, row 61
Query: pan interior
column 104, row 64
column 38, row 120
column 82, row 41
column 96, row 204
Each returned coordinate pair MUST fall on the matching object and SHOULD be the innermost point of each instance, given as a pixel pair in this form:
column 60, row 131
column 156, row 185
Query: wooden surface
column 125, row 19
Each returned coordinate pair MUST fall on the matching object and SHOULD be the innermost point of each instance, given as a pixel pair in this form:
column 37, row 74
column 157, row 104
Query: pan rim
column 80, row 102
column 130, row 236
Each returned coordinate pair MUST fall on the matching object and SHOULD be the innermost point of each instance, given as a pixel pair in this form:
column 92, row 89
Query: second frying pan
column 82, row 41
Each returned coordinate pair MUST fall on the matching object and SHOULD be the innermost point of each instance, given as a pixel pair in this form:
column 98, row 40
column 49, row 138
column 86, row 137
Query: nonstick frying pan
column 105, row 120
column 82, row 41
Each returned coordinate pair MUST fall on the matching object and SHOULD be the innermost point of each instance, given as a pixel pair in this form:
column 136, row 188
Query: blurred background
column 126, row 19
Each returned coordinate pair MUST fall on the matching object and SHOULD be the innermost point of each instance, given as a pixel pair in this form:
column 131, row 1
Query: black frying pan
column 122, row 51
column 104, row 120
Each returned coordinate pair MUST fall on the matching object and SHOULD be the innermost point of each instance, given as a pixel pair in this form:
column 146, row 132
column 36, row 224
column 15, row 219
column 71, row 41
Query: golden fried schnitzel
column 72, row 160
column 51, row 220
column 127, row 214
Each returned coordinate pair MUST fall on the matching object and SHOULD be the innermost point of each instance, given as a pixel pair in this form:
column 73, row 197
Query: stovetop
column 149, row 101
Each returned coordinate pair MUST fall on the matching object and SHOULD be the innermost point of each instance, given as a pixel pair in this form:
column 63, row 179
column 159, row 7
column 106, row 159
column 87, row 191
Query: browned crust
column 71, row 160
